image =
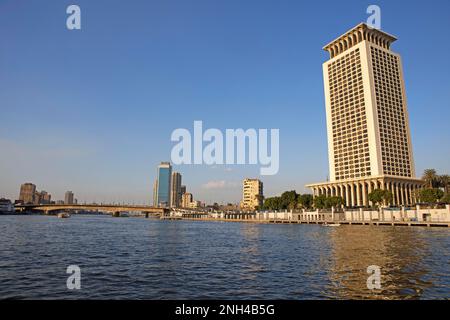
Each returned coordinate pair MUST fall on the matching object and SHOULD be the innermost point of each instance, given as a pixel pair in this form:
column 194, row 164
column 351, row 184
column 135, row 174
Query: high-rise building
column 186, row 200
column 252, row 194
column 155, row 193
column 183, row 190
column 175, row 190
column 68, row 197
column 27, row 193
column 37, row 198
column 45, row 197
column 164, row 175
column 369, row 142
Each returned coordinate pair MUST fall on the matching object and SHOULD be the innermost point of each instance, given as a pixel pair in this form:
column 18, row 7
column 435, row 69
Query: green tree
column 273, row 203
column 304, row 201
column 268, row 204
column 288, row 200
column 320, row 202
column 430, row 177
column 430, row 195
column 334, row 201
column 444, row 182
column 277, row 203
column 261, row 200
column 380, row 197
column 446, row 199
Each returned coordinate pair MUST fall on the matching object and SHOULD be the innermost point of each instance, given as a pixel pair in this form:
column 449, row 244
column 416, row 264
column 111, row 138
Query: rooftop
column 357, row 34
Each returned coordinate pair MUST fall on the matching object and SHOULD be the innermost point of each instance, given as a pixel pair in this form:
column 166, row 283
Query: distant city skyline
column 92, row 110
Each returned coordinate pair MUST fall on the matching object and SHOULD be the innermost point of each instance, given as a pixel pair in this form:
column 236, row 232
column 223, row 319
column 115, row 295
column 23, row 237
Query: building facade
column 27, row 193
column 163, row 183
column 186, row 200
column 252, row 194
column 369, row 142
column 155, row 192
column 175, row 190
column 194, row 204
column 45, row 197
column 68, row 197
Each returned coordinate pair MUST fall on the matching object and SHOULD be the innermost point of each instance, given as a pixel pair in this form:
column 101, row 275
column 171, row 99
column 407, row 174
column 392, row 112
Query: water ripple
column 134, row 258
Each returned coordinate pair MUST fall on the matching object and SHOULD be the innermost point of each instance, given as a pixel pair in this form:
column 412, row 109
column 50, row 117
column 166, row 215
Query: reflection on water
column 408, row 262
column 137, row 258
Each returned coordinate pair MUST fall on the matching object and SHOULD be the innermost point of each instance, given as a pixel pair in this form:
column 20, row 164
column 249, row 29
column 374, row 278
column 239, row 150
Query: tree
column 288, row 200
column 430, row 195
column 380, row 197
column 446, row 199
column 334, row 201
column 268, row 204
column 260, row 199
column 320, row 201
column 444, row 182
column 304, row 201
column 273, row 203
column 430, row 177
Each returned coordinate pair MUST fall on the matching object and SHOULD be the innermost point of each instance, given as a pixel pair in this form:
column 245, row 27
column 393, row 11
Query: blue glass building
column 164, row 174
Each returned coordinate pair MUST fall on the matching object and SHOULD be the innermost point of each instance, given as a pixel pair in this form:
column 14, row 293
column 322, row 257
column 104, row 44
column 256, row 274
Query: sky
column 92, row 110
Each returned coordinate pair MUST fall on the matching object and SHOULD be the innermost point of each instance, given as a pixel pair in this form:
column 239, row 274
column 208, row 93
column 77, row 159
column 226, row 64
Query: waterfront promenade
column 423, row 217
column 418, row 216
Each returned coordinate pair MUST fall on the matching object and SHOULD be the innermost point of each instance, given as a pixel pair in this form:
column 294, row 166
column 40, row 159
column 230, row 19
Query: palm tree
column 444, row 181
column 430, row 177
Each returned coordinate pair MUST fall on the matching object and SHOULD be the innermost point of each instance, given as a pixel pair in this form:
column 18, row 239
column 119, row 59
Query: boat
column 63, row 215
column 326, row 224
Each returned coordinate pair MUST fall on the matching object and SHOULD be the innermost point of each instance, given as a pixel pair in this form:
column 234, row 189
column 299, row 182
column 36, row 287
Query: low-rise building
column 194, row 204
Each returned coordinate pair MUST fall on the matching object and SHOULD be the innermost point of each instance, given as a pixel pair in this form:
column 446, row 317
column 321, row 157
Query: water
column 137, row 258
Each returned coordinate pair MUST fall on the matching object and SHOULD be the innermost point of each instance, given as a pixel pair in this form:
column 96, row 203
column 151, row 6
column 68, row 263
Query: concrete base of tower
column 355, row 192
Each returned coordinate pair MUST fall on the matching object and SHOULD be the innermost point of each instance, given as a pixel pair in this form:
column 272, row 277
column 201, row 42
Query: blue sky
column 92, row 110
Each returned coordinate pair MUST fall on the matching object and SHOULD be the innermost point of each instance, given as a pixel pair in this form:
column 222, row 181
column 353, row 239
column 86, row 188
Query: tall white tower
column 369, row 142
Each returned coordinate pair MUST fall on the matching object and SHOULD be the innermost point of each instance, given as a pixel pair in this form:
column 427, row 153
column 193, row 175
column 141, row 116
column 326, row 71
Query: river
column 138, row 258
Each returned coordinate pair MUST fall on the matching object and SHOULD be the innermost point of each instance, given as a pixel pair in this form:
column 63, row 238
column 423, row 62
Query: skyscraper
column 45, row 197
column 369, row 142
column 155, row 193
column 27, row 193
column 175, row 190
column 164, row 175
column 68, row 197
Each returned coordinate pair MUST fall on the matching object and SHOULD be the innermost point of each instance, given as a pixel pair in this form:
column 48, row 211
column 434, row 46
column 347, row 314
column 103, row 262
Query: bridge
column 113, row 209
